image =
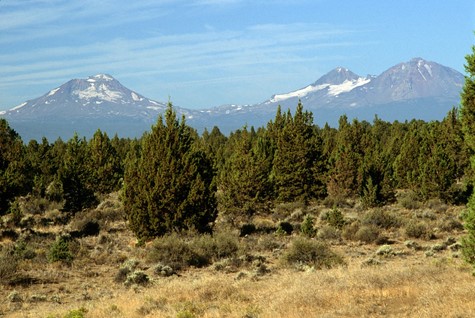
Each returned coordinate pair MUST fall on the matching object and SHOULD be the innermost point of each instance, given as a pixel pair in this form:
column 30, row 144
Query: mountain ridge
column 416, row 88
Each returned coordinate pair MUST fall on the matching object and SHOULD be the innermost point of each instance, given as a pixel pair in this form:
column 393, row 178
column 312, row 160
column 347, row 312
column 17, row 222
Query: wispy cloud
column 169, row 58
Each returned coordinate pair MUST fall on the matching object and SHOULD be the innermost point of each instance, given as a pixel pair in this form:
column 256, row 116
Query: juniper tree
column 468, row 124
column 168, row 185
column 13, row 166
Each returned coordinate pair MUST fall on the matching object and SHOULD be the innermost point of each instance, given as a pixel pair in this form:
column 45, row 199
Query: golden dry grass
column 441, row 287
column 407, row 283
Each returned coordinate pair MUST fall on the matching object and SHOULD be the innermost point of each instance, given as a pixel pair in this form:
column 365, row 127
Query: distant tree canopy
column 172, row 179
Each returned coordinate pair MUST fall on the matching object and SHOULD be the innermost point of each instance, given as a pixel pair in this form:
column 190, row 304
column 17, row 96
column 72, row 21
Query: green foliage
column 468, row 241
column 335, row 218
column 244, row 180
column 180, row 252
column 307, row 227
column 382, row 219
column 417, row 229
column 298, row 164
column 311, row 253
column 59, row 251
column 75, row 177
column 104, row 164
column 8, row 264
column 76, row 313
column 14, row 178
column 169, row 185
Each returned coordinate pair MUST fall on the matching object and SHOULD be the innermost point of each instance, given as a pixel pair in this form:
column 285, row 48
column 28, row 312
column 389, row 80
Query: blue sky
column 204, row 53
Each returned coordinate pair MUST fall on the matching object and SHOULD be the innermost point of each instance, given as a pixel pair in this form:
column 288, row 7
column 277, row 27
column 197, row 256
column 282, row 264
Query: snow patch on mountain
column 19, row 106
column 299, row 93
column 101, row 92
column 135, row 97
column 347, row 86
column 53, row 91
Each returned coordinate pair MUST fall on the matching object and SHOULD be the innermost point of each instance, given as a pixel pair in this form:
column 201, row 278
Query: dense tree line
column 173, row 178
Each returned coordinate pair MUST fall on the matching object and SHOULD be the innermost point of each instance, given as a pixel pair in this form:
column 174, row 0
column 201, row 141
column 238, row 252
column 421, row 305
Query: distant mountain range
column 415, row 89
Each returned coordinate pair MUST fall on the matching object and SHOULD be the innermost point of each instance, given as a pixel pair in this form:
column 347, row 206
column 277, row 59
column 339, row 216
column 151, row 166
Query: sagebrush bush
column 367, row 233
column 409, row 201
column 8, row 264
column 327, row 232
column 381, row 218
column 180, row 252
column 416, row 229
column 310, row 252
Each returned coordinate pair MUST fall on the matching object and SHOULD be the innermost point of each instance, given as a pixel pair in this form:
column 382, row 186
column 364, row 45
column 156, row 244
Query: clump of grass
column 312, row 253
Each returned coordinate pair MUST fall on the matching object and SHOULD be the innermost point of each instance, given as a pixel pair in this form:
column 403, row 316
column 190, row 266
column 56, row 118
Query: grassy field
column 405, row 262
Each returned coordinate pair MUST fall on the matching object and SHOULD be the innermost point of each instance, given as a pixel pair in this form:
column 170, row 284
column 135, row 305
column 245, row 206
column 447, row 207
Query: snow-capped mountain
column 415, row 89
column 97, row 96
column 83, row 106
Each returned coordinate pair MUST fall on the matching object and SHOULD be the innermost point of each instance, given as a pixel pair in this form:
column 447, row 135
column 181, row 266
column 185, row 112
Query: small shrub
column 16, row 213
column 367, row 234
column 327, row 232
column 181, row 252
column 313, row 253
column 125, row 269
column 409, row 201
column 307, row 227
column 335, row 218
column 247, row 229
column 285, row 227
column 268, row 243
column 163, row 270
column 416, row 229
column 76, row 313
column 59, row 251
column 8, row 265
column 382, row 219
column 349, row 231
column 385, row 250
column 137, row 277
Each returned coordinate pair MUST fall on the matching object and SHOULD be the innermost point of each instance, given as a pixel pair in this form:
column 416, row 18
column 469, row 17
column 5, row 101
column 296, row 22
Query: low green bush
column 310, row 252
column 307, row 227
column 59, row 251
column 180, row 252
column 416, row 229
column 381, row 218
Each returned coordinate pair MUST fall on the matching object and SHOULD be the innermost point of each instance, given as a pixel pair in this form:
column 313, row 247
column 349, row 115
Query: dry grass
column 396, row 289
column 405, row 282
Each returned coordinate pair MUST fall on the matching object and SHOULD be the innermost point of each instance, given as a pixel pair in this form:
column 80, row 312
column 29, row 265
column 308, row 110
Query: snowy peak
column 339, row 80
column 97, row 95
column 337, row 76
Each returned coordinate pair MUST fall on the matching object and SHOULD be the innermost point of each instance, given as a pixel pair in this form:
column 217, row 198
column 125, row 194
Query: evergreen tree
column 13, row 167
column 468, row 124
column 75, row 177
column 244, row 181
column 104, row 164
column 168, row 185
column 297, row 164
